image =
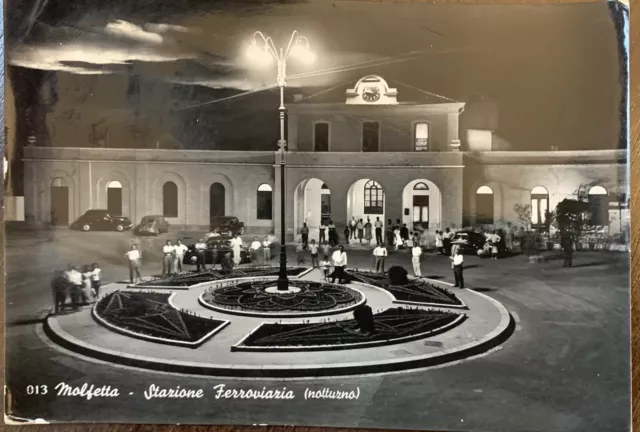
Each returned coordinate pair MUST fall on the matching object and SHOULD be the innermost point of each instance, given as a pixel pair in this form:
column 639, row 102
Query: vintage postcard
column 399, row 215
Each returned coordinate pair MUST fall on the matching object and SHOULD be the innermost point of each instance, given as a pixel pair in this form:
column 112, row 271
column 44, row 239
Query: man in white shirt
column 134, row 257
column 255, row 247
column 352, row 228
column 201, row 247
column 378, row 226
column 339, row 259
column 236, row 247
column 168, row 253
column 96, row 278
column 380, row 254
column 416, row 253
column 179, row 250
column 457, row 262
column 266, row 250
column 313, row 249
column 74, row 277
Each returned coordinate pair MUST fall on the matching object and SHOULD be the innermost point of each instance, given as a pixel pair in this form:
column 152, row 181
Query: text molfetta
column 86, row 391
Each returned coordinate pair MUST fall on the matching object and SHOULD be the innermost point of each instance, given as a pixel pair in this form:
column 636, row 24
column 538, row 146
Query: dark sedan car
column 152, row 225
column 227, row 225
column 101, row 220
column 470, row 241
column 216, row 248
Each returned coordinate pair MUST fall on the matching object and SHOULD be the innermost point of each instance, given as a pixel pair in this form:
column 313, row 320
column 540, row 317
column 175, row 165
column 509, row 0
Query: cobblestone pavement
column 566, row 368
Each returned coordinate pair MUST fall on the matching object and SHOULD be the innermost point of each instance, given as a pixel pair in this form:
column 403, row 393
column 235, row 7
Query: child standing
column 96, row 280
column 326, row 267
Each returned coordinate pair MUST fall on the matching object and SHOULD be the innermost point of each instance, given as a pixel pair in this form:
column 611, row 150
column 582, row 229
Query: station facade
column 369, row 155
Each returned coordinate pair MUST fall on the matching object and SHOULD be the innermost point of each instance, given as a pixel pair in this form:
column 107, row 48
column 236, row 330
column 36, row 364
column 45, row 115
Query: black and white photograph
column 333, row 213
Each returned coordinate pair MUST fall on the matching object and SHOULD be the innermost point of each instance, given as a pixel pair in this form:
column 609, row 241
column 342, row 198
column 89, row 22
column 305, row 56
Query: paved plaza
column 565, row 368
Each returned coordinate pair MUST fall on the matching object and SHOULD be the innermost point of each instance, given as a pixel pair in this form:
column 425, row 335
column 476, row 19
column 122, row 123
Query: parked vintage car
column 152, row 225
column 101, row 220
column 216, row 248
column 470, row 242
column 227, row 225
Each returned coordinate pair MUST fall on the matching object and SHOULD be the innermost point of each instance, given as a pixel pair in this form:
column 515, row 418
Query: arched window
column 539, row 206
column 421, row 186
column 421, row 136
column 324, row 186
column 114, row 198
column 599, row 206
column 373, row 198
column 484, row 206
column 170, row 200
column 265, row 202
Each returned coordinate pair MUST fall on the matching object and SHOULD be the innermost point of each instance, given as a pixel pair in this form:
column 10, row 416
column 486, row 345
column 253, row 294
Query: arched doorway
column 216, row 200
column 539, row 206
column 421, row 205
column 312, row 205
column 59, row 202
column 114, row 198
column 365, row 199
column 484, row 206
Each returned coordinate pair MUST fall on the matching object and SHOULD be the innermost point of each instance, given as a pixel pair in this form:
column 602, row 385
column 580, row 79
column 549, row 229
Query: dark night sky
column 551, row 70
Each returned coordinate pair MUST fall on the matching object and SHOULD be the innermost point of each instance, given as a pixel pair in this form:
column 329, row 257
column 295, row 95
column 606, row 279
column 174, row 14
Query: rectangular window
column 321, row 137
column 370, row 137
column 265, row 205
column 539, row 208
column 421, row 136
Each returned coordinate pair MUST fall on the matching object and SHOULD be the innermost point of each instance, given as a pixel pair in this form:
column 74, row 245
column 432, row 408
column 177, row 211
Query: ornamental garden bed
column 194, row 278
column 414, row 291
column 150, row 316
column 260, row 298
column 392, row 326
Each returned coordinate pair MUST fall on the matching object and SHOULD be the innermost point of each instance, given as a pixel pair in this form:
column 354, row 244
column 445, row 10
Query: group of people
column 356, row 229
column 80, row 287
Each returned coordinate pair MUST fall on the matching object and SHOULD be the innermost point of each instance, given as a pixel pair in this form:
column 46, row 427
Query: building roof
column 407, row 94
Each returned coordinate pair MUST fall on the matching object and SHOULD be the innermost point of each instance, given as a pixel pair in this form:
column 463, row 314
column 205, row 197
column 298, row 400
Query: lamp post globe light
column 264, row 51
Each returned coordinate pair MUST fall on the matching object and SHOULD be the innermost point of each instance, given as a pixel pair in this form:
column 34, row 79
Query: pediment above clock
column 372, row 90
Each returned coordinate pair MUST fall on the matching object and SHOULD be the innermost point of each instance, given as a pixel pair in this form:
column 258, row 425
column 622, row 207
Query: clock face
column 371, row 94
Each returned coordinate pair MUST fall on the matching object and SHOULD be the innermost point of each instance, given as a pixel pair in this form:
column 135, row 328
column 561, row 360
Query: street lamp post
column 298, row 46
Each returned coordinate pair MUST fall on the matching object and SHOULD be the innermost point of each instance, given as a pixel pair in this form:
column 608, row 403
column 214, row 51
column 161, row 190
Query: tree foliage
column 570, row 215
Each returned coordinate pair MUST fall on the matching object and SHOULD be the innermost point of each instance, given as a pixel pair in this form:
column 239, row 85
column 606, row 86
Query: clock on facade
column 371, row 94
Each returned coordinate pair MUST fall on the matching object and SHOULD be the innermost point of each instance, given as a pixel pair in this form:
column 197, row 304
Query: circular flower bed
column 262, row 298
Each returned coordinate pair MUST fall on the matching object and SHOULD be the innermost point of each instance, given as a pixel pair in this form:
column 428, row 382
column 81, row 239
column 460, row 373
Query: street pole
column 283, row 280
column 281, row 56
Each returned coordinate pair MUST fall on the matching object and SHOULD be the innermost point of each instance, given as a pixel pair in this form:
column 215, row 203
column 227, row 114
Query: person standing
column 352, row 227
column 397, row 237
column 567, row 248
column 313, row 249
column 266, row 251
column 446, row 241
column 380, row 254
column 236, row 247
column 59, row 290
column 178, row 256
column 167, row 258
column 201, row 247
column 416, row 253
column 333, row 234
column 390, row 235
column 339, row 259
column 304, row 231
column 404, row 234
column 96, row 279
column 323, row 229
column 326, row 265
column 439, row 244
column 495, row 242
column 457, row 262
column 255, row 248
column 134, row 257
column 74, row 278
column 347, row 235
column 86, row 284
column 360, row 228
column 378, row 226
column 508, row 240
column 367, row 231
